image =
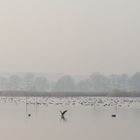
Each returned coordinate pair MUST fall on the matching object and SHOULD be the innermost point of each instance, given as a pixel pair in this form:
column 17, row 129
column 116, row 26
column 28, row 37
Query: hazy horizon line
column 71, row 74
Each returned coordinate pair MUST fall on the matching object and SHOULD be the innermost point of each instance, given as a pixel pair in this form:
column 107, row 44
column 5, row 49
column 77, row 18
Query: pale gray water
column 87, row 118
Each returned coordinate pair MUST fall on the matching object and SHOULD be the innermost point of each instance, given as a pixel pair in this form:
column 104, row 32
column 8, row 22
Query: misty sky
column 70, row 36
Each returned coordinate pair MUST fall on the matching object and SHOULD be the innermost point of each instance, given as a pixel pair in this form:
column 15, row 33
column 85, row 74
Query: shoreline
column 67, row 94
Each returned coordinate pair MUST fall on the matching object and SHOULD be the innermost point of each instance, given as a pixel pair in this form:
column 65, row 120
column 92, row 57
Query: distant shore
column 68, row 94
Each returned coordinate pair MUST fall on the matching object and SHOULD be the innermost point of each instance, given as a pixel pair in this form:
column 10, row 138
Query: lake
column 87, row 118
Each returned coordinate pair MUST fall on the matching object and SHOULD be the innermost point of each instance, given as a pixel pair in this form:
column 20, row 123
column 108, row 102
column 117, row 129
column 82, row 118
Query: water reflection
column 86, row 118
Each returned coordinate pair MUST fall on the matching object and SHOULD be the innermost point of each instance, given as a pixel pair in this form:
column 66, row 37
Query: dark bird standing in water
column 29, row 115
column 113, row 115
column 62, row 114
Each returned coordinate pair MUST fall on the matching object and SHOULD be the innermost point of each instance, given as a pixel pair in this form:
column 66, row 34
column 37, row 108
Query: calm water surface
column 88, row 118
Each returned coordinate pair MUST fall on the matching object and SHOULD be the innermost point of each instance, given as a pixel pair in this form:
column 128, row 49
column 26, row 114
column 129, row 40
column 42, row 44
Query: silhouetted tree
column 41, row 84
column 114, row 81
column 135, row 82
column 119, row 82
column 64, row 84
column 84, row 86
column 99, row 83
column 14, row 82
column 28, row 80
column 3, row 83
column 124, row 82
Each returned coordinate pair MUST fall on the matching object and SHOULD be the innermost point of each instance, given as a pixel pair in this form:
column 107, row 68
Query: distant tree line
column 94, row 83
column 26, row 82
column 99, row 83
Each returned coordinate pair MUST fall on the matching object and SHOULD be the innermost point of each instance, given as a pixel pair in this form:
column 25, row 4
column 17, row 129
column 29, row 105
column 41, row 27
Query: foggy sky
column 70, row 36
